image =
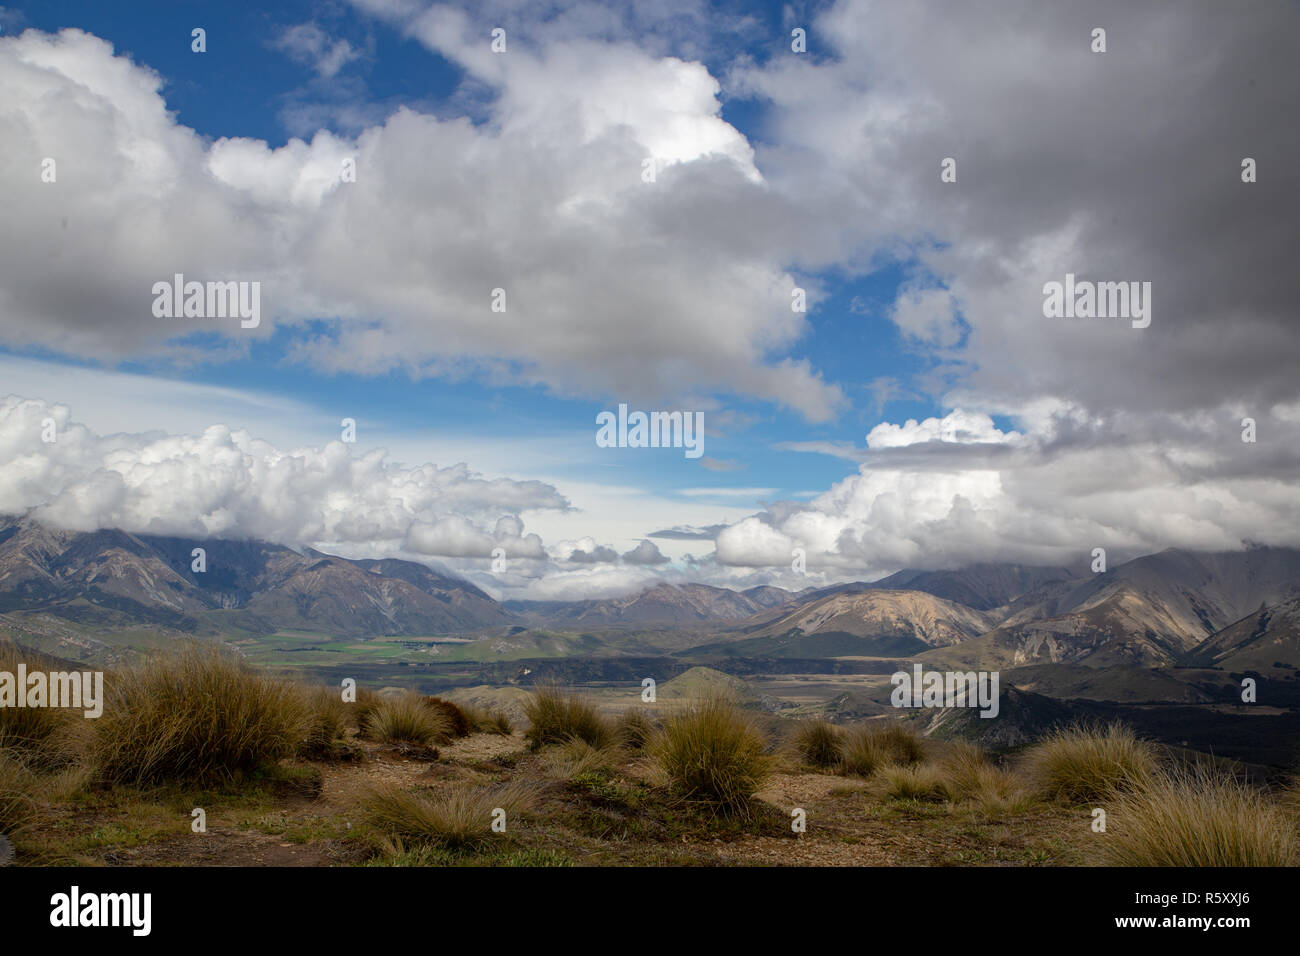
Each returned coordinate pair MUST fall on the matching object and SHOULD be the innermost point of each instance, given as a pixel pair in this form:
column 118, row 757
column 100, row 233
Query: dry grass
column 328, row 718
column 712, row 751
column 970, row 775
column 17, row 794
column 962, row 774
column 458, row 722
column 1191, row 816
column 196, row 714
column 488, row 721
column 406, row 718
column 633, row 729
column 555, row 717
column 1084, row 763
column 576, row 757
column 914, row 782
column 819, row 744
column 360, row 710
column 873, row 746
column 42, row 736
column 458, row 819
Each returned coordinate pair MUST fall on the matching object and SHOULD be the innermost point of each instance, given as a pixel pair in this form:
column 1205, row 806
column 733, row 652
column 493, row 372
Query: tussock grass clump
column 360, row 710
column 499, row 722
column 17, row 794
column 328, row 718
column 196, row 714
column 871, row 747
column 1088, row 763
column 575, row 757
column 457, row 819
column 914, row 782
column 711, row 751
column 1290, row 798
column 970, row 775
column 964, row 773
column 820, row 744
column 555, row 717
column 458, row 722
column 488, row 721
column 42, row 736
column 633, row 729
column 406, row 718
column 1191, row 816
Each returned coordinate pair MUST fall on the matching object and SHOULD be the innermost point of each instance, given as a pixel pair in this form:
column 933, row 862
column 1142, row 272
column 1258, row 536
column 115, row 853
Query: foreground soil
column 306, row 814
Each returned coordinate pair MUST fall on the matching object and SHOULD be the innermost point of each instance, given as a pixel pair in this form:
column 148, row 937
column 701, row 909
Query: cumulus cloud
column 1122, row 438
column 957, row 426
column 684, row 286
column 1148, row 189
column 933, row 494
column 584, row 551
column 1127, row 439
column 224, row 483
column 646, row 552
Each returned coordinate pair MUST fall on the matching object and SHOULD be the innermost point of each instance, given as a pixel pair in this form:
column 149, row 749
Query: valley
column 1162, row 642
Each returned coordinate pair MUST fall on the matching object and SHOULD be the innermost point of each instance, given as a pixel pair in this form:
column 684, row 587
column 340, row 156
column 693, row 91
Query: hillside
column 1260, row 641
column 855, row 623
column 111, row 578
column 661, row 604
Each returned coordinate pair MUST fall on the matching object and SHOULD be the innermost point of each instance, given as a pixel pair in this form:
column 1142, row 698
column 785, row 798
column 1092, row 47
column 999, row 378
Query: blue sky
column 776, row 169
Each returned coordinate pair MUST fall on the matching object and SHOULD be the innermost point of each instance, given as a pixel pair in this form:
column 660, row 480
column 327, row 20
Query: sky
column 653, row 189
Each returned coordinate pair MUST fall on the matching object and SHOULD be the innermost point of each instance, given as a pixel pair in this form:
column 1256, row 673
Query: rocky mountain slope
column 112, row 578
column 855, row 623
column 661, row 604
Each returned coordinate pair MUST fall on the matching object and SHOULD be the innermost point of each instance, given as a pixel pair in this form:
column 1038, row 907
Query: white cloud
column 224, row 483
column 683, row 287
column 952, row 491
column 957, row 427
column 308, row 44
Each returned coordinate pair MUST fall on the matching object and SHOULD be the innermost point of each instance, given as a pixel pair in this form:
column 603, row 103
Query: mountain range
column 1232, row 609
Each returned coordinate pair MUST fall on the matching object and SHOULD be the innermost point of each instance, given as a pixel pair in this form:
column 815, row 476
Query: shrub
column 711, row 751
column 556, row 717
column 1080, row 763
column 458, row 722
column 196, row 714
column 458, row 819
column 405, row 718
column 819, row 744
column 1192, row 817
